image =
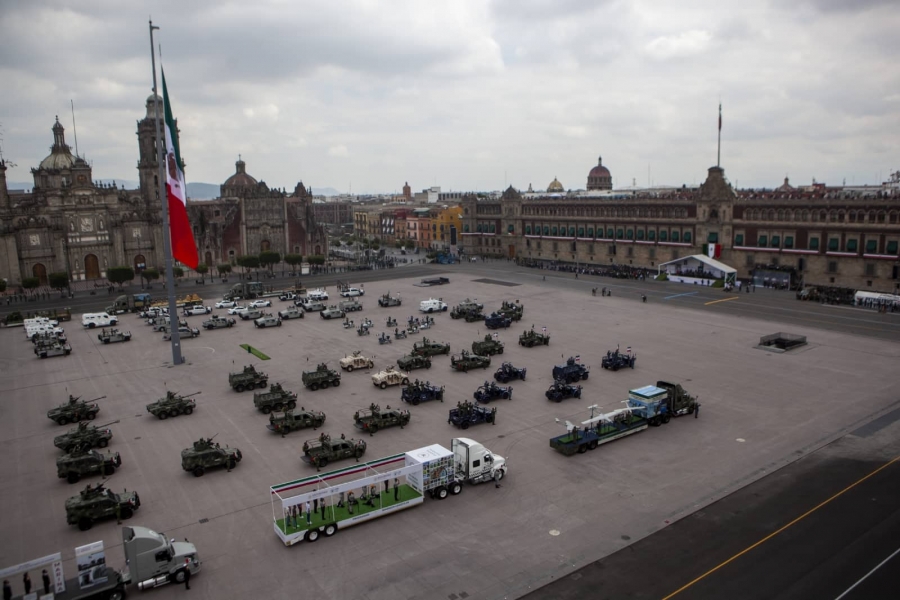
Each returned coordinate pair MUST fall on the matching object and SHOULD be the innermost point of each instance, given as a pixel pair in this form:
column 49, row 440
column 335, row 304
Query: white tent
column 698, row 268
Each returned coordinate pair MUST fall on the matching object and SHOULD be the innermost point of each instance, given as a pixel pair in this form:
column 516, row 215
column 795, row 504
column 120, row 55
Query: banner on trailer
column 91, row 562
column 332, row 490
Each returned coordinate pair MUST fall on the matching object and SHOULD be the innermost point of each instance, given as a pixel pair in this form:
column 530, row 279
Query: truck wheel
column 383, row 385
column 404, row 381
column 428, row 365
column 266, row 410
column 108, row 470
column 163, row 416
column 198, row 471
column 179, row 576
column 102, row 443
column 84, row 523
column 127, row 513
column 585, row 376
column 292, row 405
column 174, row 413
column 62, row 421
column 615, row 367
column 349, row 368
column 323, row 462
column 490, row 418
column 415, row 401
column 505, row 395
column 582, row 448
column 314, row 386
column 232, row 463
column 263, row 383
column 239, row 387
column 188, row 410
column 312, row 535
column 106, row 340
column 330, row 530
column 325, row 385
column 440, row 493
column 73, row 477
column 251, row 386
column 91, row 416
column 500, row 351
column 116, row 595
column 371, row 364
column 455, row 488
column 666, row 418
column 592, row 445
column 465, row 425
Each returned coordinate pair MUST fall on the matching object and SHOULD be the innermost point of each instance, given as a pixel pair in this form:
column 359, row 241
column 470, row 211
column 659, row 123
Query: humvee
column 390, row 376
column 291, row 420
column 487, row 347
column 413, row 361
column 111, row 336
column 356, row 361
column 319, row 451
column 374, row 418
column 291, row 312
column 466, row 361
column 430, row 348
column 217, row 322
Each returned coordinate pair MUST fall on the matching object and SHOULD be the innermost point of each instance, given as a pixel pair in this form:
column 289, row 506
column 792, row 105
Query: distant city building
column 407, row 191
column 555, row 187
column 599, row 177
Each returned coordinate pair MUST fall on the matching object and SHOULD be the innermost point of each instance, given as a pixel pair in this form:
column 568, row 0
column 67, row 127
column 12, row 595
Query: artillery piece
column 172, row 405
column 84, row 435
column 75, row 410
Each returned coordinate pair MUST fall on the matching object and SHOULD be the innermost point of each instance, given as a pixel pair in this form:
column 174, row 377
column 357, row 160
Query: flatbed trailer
column 581, row 439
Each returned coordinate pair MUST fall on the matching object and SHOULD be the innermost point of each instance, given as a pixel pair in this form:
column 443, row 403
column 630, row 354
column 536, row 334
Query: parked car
column 352, row 291
column 226, row 304
column 237, row 309
column 196, row 310
column 261, row 303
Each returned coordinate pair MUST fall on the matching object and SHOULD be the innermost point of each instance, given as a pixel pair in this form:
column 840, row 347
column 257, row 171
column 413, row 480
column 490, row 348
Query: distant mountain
column 202, row 191
column 326, row 191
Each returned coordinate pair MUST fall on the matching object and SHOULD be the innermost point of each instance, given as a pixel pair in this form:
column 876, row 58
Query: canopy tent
column 698, row 268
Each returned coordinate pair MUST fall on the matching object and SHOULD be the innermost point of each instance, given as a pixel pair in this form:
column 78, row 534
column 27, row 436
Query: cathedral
column 71, row 224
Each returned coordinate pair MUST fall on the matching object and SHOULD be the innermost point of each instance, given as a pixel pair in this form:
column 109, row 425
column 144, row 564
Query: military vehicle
column 350, row 305
column 172, row 405
column 84, row 435
column 430, row 348
column 217, row 322
column 183, row 332
column 247, row 379
column 48, row 338
column 571, row 371
column 466, row 361
column 497, row 321
column 532, row 338
column 111, row 336
column 251, row 313
column 468, row 304
column 74, row 410
column 491, row 391
column 466, row 414
column 390, row 376
column 291, row 420
column 276, row 398
column 205, row 455
column 387, row 300
column 374, row 418
column 97, row 502
column 332, row 312
column 421, row 391
column 507, row 372
column 310, row 305
column 560, row 390
column 161, row 324
column 356, row 361
column 54, row 349
column 322, row 377
column 319, row 451
column 83, row 461
column 469, row 313
column 617, row 360
column 47, row 343
column 679, row 401
column 513, row 310
column 291, row 312
column 411, row 362
column 267, row 321
column 487, row 347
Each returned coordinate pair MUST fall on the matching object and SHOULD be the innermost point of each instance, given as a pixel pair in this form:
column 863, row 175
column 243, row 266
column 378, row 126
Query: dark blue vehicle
column 496, row 321
column 571, row 371
column 421, row 391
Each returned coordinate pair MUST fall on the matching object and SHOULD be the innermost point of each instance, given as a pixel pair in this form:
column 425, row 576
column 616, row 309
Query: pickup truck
column 351, row 292
column 196, row 310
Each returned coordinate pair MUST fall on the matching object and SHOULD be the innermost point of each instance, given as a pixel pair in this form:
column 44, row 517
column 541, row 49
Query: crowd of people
column 612, row 270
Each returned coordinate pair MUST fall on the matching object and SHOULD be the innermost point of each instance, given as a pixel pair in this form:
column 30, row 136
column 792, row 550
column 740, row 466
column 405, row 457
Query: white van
column 36, row 330
column 40, row 321
column 92, row 320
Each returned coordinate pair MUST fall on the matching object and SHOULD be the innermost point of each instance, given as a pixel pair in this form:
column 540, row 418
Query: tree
column 293, row 260
column 316, row 259
column 119, row 275
column 248, row 261
column 177, row 273
column 150, row 275
column 224, row 268
column 29, row 283
column 268, row 258
column 58, row 281
column 202, row 270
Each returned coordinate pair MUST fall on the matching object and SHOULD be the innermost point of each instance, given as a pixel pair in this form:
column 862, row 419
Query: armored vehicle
column 267, row 321
column 291, row 420
column 497, row 321
column 291, row 312
column 54, row 349
column 411, row 362
column 205, row 455
column 332, row 312
column 217, row 322
column 561, row 390
column 74, row 410
column 532, row 338
column 350, row 305
column 251, row 313
column 390, row 376
column 356, row 361
column 469, row 313
column 430, row 348
column 467, row 413
column 48, row 338
column 507, row 372
column 469, row 304
column 161, row 324
column 422, row 391
column 491, row 391
column 388, row 300
column 322, row 377
column 431, row 305
column 111, row 336
column 617, row 360
column 319, row 451
column 374, row 418
column 172, row 405
column 466, row 361
column 82, row 462
column 571, row 371
column 312, row 305
column 513, row 310
column 84, row 435
column 487, row 347
column 247, row 379
column 277, row 398
column 97, row 502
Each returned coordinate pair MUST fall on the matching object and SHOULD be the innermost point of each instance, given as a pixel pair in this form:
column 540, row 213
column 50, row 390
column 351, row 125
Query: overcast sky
column 468, row 94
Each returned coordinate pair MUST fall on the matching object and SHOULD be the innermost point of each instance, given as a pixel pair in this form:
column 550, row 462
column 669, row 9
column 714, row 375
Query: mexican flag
column 184, row 248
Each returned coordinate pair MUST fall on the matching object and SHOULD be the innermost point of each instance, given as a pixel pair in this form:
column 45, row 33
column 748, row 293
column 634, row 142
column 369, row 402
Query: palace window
column 546, row 230
column 590, row 232
column 712, row 237
column 776, row 241
column 687, row 237
column 892, row 247
column 852, row 245
column 571, row 232
column 833, row 244
column 610, row 234
column 739, row 239
column 554, row 231
column 663, row 235
column 620, row 233
column 640, row 234
column 761, row 241
column 466, row 228
column 581, row 232
column 788, row 241
column 528, row 230
column 871, row 246
column 813, row 243
column 651, row 235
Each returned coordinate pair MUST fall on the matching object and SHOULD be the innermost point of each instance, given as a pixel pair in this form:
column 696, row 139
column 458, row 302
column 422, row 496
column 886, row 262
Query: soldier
column 72, row 400
column 396, row 489
column 7, row 589
column 46, row 580
column 351, row 500
column 323, row 505
column 340, row 503
column 308, row 513
column 118, row 513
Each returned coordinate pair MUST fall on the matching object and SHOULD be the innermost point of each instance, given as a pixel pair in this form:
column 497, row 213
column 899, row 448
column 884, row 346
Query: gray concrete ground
column 551, row 516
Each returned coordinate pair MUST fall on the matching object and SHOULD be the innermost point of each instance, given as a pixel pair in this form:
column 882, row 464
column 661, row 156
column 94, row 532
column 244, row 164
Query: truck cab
column 151, row 560
column 474, row 462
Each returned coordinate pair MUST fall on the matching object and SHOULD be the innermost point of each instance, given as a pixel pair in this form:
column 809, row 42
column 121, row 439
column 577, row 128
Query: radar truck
column 379, row 488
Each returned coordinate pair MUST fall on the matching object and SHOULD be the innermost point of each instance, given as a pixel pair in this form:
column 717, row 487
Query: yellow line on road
column 774, row 533
column 722, row 300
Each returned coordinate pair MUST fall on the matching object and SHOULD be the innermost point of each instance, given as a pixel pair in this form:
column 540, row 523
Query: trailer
column 598, row 430
column 322, row 505
column 129, row 303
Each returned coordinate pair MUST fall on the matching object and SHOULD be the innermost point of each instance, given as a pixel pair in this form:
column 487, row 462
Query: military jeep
column 75, row 465
column 422, row 391
column 411, row 362
column 561, row 390
column 374, row 418
column 112, row 336
column 487, row 347
column 217, row 322
column 97, row 502
column 507, row 372
column 571, row 371
column 356, row 361
column 615, row 360
column 390, row 376
column 319, row 451
column 205, row 455
column 491, row 391
column 276, row 398
column 388, row 300
column 466, row 361
column 291, row 312
column 322, row 377
column 532, row 338
column 513, row 310
column 55, row 349
column 247, row 379
column 428, row 347
column 291, row 420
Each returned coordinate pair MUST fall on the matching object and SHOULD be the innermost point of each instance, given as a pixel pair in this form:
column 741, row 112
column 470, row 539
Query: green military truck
column 248, row 379
column 276, row 398
column 322, row 377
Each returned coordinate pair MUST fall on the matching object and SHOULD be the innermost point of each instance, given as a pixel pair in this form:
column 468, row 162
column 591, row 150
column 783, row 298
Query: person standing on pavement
column 26, row 579
column 46, row 579
column 497, row 478
column 187, row 579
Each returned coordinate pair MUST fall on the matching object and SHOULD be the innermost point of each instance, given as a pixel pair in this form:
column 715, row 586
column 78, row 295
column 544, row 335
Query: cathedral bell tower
column 148, row 161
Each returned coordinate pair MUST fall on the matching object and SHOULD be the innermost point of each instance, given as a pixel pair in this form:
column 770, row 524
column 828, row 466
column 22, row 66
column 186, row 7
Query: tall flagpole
column 177, row 359
column 719, row 149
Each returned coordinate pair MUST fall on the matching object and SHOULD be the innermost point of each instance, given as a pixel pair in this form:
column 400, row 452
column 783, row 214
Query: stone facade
column 831, row 236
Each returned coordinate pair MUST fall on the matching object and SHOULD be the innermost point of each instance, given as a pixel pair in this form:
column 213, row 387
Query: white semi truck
column 306, row 509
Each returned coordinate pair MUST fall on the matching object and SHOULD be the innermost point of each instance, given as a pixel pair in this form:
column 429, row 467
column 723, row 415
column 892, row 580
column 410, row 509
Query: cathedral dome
column 555, row 186
column 240, row 177
column 60, row 154
column 599, row 178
